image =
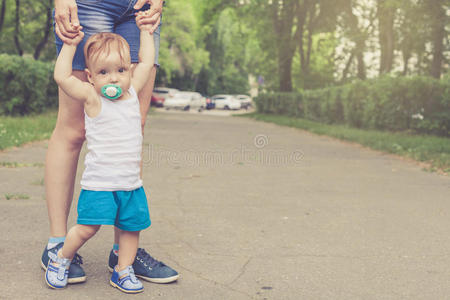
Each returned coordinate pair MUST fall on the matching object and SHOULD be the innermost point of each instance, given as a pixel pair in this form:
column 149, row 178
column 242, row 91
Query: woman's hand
column 153, row 16
column 142, row 21
column 67, row 25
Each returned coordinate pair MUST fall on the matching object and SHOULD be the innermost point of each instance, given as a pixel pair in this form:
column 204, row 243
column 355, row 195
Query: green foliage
column 214, row 46
column 181, row 56
column 289, row 104
column 321, row 69
column 33, row 18
column 419, row 104
column 225, row 41
column 27, row 86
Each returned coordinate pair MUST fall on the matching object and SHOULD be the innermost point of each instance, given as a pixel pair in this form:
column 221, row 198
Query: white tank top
column 114, row 142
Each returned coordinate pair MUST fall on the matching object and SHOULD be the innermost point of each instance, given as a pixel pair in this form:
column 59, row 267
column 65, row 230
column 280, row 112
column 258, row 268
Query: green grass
column 16, row 131
column 16, row 197
column 15, row 164
column 424, row 148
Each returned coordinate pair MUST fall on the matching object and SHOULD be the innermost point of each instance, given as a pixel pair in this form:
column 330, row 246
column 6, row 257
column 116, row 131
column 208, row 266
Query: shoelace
column 77, row 259
column 132, row 275
column 148, row 258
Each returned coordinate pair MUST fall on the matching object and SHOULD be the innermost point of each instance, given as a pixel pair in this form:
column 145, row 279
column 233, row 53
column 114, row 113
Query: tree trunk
column 301, row 19
column 358, row 38
column 406, row 57
column 438, row 15
column 362, row 74
column 347, row 67
column 285, row 73
column 386, row 17
column 2, row 14
column 283, row 23
column 48, row 26
column 311, row 29
column 16, row 29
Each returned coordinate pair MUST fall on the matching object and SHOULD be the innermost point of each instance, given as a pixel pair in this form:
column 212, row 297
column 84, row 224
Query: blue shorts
column 127, row 210
column 115, row 16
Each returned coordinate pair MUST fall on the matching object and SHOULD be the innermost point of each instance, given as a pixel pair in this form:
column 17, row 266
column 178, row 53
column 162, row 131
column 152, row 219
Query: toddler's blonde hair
column 104, row 43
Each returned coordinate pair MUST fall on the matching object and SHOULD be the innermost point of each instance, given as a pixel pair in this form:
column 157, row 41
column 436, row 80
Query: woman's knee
column 73, row 136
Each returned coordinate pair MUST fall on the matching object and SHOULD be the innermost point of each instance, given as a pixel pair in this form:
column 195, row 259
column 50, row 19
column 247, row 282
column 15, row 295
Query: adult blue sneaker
column 57, row 271
column 147, row 268
column 126, row 281
column 76, row 272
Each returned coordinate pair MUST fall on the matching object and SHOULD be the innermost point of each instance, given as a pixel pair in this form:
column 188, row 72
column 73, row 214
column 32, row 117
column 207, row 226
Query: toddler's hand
column 75, row 40
column 144, row 21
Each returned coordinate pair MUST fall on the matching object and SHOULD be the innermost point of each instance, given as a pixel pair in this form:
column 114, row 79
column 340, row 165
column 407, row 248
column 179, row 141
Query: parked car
column 226, row 102
column 157, row 101
column 164, row 92
column 246, row 101
column 186, row 101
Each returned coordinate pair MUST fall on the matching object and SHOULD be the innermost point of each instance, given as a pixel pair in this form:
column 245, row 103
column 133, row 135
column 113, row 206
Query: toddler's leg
column 123, row 276
column 57, row 271
column 128, row 244
column 76, row 237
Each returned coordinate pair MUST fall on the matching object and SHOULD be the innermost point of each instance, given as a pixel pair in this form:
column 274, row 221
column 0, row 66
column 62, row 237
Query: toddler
column 112, row 192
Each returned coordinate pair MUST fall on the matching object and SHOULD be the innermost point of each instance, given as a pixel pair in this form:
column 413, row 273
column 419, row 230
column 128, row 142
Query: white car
column 164, row 92
column 246, row 101
column 226, row 102
column 185, row 101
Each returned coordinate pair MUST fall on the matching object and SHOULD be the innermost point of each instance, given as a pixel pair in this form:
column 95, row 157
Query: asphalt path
column 250, row 210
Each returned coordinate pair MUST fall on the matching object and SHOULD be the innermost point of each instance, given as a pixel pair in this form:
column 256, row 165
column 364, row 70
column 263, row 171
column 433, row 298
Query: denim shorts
column 115, row 16
column 127, row 210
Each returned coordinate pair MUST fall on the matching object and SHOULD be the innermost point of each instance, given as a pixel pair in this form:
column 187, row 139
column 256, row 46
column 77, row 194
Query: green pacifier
column 111, row 91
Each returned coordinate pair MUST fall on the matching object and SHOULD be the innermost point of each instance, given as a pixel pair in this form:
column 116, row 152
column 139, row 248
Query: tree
column 283, row 14
column 315, row 19
column 47, row 29
column 2, row 14
column 181, row 52
column 438, row 19
column 17, row 29
column 226, row 36
column 412, row 31
column 358, row 34
column 386, row 12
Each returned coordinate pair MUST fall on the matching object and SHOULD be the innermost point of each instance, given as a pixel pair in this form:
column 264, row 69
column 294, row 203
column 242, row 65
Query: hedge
column 418, row 104
column 27, row 86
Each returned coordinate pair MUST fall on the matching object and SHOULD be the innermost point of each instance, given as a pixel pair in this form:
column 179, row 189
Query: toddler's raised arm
column 70, row 84
column 146, row 54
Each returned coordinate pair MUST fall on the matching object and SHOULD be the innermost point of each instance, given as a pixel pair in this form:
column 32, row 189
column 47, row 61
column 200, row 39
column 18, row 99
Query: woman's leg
column 62, row 159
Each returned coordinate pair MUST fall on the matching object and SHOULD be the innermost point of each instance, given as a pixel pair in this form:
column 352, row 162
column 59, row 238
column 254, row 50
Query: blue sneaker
column 126, row 281
column 57, row 271
column 147, row 268
column 76, row 273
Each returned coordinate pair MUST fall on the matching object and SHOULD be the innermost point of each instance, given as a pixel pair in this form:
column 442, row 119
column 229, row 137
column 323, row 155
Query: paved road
column 250, row 210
